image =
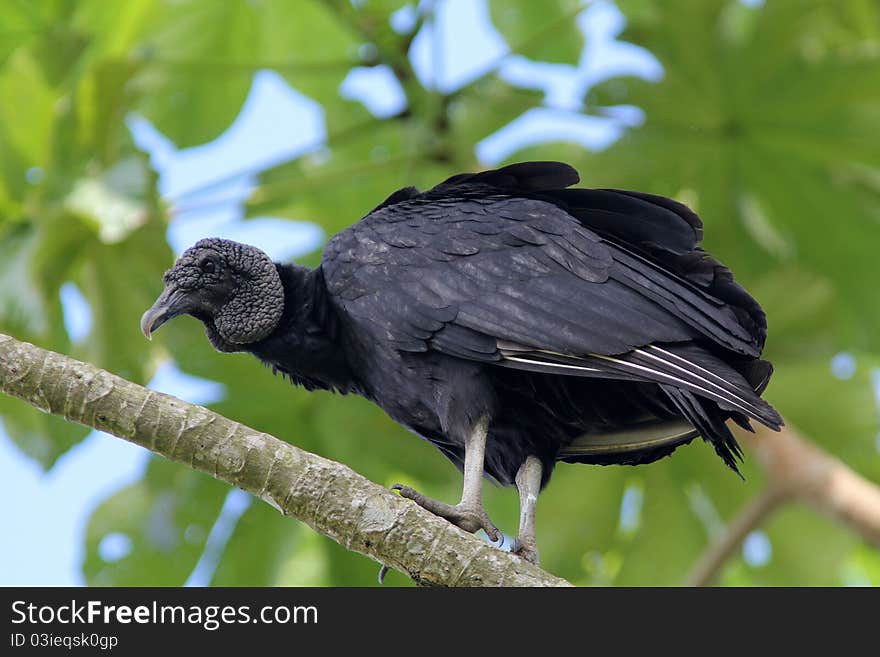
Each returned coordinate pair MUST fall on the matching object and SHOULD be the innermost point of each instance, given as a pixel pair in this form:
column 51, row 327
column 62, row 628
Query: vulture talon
column 465, row 516
column 525, row 549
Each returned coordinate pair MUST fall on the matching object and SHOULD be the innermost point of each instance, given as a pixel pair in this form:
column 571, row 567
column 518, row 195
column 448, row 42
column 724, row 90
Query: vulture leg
column 468, row 514
column 528, row 483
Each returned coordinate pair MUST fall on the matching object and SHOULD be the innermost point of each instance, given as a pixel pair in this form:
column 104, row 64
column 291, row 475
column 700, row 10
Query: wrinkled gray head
column 233, row 288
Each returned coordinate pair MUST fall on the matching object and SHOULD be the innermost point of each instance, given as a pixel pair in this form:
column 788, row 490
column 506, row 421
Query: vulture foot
column 469, row 518
column 525, row 547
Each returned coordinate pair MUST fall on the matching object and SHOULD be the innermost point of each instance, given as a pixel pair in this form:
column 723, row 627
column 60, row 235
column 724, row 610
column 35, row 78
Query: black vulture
column 511, row 321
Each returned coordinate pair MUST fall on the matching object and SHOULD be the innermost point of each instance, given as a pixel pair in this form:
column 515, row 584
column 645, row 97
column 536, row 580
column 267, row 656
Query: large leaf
column 763, row 120
column 71, row 184
column 808, row 549
column 28, row 112
column 197, row 70
column 165, row 518
column 42, row 437
column 357, row 172
column 838, row 414
column 359, row 167
column 260, row 548
column 118, row 302
column 29, row 311
column 544, row 31
column 314, row 46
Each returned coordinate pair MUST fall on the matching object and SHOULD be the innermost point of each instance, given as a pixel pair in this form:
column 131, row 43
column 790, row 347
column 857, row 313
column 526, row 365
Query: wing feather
column 501, row 267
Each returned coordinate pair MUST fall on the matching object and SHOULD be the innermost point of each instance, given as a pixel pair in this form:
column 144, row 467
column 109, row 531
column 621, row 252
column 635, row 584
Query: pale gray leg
column 474, row 457
column 528, row 483
column 468, row 514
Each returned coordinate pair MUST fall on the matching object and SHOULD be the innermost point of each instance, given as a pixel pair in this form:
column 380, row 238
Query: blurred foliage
column 764, row 121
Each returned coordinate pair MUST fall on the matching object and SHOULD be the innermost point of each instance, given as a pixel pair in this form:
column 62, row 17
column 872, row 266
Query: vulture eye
column 207, row 266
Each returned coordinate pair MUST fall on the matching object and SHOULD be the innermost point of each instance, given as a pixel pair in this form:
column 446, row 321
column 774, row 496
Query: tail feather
column 704, row 389
column 686, row 367
column 716, row 379
column 709, row 422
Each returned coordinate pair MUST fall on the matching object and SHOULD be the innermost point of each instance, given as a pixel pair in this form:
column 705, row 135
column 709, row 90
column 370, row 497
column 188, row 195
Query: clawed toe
column 407, row 492
column 526, row 549
column 469, row 518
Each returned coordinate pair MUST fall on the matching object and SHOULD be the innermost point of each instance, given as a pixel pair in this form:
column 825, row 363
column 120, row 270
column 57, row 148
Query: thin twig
column 713, row 559
column 797, row 470
column 807, row 473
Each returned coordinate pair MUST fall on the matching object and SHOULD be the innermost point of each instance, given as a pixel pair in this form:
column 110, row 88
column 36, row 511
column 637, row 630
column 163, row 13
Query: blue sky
column 44, row 535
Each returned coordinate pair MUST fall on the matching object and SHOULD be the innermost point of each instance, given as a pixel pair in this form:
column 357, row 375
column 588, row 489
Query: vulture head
column 234, row 289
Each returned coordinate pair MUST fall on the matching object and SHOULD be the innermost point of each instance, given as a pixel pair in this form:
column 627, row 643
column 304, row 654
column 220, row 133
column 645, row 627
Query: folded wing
column 509, row 267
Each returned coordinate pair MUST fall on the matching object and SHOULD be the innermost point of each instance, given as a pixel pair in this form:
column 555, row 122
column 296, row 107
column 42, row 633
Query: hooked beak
column 167, row 306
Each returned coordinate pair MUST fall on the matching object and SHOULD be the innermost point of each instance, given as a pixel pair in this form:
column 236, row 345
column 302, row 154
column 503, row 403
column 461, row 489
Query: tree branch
column 330, row 497
column 713, row 559
column 803, row 471
column 797, row 471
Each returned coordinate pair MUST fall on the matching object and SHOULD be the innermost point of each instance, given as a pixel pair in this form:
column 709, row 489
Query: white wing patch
column 579, row 368
column 651, row 363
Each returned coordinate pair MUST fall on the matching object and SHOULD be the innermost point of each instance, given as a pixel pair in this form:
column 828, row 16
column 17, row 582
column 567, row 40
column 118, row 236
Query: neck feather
column 306, row 345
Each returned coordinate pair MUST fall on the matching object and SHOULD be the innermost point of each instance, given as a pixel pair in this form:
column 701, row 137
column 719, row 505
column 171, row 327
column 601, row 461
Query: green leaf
column 17, row 29
column 357, row 172
column 22, row 309
column 670, row 535
column 763, row 132
column 802, row 326
column 313, row 47
column 862, row 568
column 260, row 547
column 196, row 60
column 808, row 549
column 578, row 517
column 115, row 29
column 40, row 436
column 346, row 568
column 118, row 301
column 114, row 201
column 481, row 108
column 838, row 414
column 167, row 517
column 543, row 31
column 58, row 50
column 30, row 310
column 190, row 87
column 30, row 117
column 104, row 98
